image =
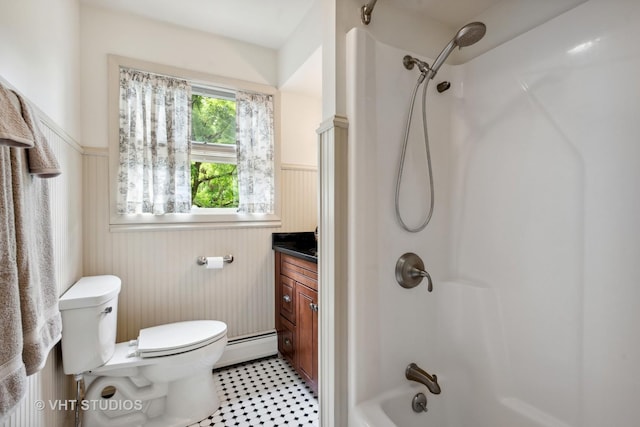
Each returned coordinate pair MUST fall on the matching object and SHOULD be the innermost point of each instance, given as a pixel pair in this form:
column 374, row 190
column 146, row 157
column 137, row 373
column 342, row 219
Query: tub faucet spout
column 415, row 373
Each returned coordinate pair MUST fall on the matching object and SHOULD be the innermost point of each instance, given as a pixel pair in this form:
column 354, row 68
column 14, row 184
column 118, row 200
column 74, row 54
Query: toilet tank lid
column 90, row 291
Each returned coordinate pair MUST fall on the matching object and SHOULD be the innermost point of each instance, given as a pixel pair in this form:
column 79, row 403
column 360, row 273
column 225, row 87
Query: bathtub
column 393, row 408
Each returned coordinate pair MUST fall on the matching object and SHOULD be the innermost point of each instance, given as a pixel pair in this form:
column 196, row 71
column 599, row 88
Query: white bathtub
column 393, row 408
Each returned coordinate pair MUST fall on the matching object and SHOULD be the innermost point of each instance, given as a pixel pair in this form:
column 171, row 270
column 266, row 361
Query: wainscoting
column 161, row 281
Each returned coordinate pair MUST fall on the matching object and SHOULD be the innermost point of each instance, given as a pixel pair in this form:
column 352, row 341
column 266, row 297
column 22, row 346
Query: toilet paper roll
column 215, row 262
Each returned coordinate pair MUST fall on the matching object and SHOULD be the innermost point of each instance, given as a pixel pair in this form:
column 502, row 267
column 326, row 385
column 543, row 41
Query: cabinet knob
column 313, row 307
column 286, row 298
column 287, row 343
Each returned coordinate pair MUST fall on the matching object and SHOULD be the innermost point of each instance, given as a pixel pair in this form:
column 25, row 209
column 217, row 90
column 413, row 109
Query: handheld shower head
column 466, row 36
column 470, row 34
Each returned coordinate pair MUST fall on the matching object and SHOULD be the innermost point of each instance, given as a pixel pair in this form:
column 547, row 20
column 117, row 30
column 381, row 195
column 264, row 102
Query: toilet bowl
column 163, row 378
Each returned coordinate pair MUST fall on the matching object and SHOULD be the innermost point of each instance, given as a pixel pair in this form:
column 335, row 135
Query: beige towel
column 29, row 316
column 14, row 132
column 13, row 377
column 41, row 322
column 42, row 161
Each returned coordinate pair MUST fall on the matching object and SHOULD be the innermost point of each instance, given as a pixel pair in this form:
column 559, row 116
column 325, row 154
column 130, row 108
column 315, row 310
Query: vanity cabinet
column 297, row 314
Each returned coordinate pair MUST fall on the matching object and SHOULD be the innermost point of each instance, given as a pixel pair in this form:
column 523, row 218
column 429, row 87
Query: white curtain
column 255, row 145
column 155, row 127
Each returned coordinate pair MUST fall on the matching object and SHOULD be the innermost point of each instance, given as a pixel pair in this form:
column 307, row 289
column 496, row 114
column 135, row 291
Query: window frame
column 213, row 153
column 201, row 217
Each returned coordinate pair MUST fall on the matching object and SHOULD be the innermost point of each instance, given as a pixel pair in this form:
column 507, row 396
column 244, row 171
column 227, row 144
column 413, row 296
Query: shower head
column 470, row 34
column 466, row 36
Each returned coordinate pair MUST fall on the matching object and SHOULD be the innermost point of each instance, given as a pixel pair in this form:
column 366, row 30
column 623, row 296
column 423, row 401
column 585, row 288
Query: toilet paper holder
column 202, row 260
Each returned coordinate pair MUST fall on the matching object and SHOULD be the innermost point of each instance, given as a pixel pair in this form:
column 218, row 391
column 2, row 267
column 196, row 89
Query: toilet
column 161, row 379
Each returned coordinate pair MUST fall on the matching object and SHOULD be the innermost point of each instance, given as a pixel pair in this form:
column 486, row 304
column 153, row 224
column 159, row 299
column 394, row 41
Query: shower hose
column 404, row 153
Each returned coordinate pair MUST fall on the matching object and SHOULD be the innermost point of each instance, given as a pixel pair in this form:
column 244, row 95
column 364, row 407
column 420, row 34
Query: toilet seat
column 179, row 337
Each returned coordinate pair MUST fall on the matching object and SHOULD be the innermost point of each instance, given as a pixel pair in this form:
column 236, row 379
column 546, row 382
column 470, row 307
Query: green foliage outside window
column 213, row 120
column 213, row 185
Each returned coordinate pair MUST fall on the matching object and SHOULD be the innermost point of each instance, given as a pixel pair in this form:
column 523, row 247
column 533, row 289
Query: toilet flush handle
column 107, row 310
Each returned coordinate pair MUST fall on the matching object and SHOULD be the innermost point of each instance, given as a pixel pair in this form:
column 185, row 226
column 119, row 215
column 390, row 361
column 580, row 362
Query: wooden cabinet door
column 307, row 334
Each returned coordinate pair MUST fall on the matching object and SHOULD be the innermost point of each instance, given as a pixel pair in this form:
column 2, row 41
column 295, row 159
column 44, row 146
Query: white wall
column 106, row 32
column 40, row 57
column 531, row 321
column 300, row 116
column 305, row 40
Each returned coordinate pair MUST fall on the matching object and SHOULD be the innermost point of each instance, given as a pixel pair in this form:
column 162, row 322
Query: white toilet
column 161, row 379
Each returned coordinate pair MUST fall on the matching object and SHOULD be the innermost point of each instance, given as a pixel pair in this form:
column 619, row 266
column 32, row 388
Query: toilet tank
column 89, row 312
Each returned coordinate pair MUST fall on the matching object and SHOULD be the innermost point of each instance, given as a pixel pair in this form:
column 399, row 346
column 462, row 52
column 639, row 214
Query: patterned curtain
column 255, row 145
column 155, row 129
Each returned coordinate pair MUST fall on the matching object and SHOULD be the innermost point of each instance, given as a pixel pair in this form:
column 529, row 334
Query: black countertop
column 302, row 245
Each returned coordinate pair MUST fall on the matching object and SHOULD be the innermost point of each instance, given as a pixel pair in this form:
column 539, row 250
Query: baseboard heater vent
column 249, row 347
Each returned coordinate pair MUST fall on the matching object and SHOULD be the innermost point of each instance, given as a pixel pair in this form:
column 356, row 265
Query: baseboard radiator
column 249, row 347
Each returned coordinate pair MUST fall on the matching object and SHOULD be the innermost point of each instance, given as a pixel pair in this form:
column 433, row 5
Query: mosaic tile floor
column 263, row 393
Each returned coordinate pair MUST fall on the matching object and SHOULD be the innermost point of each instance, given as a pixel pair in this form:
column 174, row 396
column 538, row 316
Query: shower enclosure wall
column 534, row 245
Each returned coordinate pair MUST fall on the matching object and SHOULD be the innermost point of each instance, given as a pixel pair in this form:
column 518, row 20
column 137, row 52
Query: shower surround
column 533, row 246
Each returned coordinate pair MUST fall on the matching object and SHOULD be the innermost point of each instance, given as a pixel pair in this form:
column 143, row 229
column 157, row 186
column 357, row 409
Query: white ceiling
column 269, row 23
column 265, row 23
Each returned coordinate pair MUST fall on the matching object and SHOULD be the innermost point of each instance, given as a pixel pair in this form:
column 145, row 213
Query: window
column 214, row 165
column 230, row 164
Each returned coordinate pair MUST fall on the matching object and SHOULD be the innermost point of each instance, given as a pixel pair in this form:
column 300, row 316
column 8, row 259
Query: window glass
column 214, row 174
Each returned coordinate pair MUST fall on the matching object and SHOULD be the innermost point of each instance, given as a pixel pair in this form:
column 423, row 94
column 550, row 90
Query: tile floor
column 262, row 393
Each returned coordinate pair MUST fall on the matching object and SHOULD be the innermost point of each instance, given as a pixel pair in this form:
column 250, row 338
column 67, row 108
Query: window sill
column 192, row 221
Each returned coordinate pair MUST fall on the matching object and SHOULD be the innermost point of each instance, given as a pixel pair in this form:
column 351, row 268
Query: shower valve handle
column 423, row 273
column 410, row 271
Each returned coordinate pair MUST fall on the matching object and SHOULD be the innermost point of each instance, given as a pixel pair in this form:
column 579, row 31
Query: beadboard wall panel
column 66, row 212
column 51, row 385
column 161, row 281
column 300, row 198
